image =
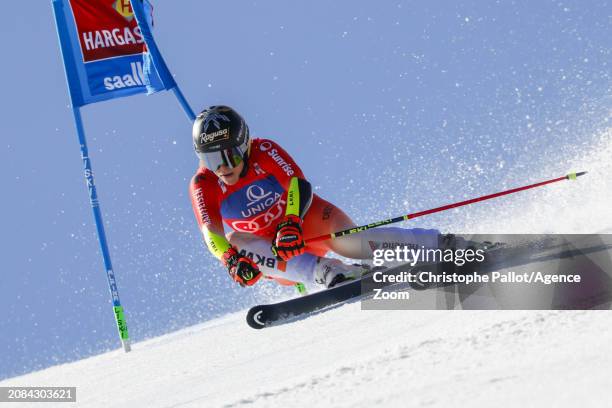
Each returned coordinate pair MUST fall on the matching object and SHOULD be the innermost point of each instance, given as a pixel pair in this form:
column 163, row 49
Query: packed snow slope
column 347, row 357
column 353, row 358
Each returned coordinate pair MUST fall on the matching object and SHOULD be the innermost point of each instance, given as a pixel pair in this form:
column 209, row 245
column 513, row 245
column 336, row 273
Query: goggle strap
column 239, row 150
column 225, row 158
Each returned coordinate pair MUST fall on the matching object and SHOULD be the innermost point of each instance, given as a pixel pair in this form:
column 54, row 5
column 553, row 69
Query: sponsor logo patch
column 254, row 207
column 278, row 159
column 261, row 221
column 124, row 7
column 260, row 260
column 213, row 137
column 374, row 245
column 198, row 195
column 265, row 146
column 105, row 34
column 327, row 212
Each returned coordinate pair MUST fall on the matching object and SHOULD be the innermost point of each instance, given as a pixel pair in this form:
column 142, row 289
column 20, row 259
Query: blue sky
column 389, row 107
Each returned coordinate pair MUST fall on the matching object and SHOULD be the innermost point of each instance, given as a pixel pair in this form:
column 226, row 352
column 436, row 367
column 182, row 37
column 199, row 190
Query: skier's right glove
column 241, row 269
column 289, row 239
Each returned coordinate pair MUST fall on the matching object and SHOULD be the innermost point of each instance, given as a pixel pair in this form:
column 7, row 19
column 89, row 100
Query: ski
column 261, row 316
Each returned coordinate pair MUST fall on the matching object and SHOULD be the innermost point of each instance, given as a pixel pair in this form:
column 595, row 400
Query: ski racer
column 262, row 195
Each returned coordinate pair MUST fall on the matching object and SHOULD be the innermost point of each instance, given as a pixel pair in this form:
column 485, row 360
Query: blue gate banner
column 104, row 52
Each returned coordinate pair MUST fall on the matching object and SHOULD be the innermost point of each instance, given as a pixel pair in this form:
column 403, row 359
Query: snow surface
column 347, row 357
column 352, row 358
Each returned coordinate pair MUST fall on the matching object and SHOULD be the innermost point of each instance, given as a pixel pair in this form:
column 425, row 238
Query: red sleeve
column 205, row 199
column 275, row 160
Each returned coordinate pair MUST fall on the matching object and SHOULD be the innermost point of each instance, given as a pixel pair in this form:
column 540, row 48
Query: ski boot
column 331, row 272
column 460, row 244
column 452, row 241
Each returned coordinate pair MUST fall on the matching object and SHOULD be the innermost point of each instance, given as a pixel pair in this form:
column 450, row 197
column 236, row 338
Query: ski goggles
column 231, row 158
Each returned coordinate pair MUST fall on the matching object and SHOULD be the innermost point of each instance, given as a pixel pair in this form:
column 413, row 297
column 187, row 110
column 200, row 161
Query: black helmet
column 220, row 136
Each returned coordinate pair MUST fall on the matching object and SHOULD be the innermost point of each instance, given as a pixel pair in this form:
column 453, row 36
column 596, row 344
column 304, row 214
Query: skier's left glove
column 289, row 239
column 241, row 269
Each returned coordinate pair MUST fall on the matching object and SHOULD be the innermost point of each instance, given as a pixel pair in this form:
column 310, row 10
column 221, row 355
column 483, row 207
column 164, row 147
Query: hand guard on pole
column 241, row 269
column 289, row 239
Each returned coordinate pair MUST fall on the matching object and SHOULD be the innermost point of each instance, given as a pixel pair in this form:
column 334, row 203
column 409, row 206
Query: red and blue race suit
column 258, row 201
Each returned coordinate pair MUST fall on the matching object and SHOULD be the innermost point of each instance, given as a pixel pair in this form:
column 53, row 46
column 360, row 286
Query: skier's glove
column 289, row 239
column 241, row 269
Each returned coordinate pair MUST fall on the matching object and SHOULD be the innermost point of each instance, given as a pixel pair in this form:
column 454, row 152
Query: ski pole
column 355, row 230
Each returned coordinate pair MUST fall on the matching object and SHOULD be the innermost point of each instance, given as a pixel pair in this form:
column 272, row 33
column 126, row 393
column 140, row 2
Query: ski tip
column 254, row 318
column 573, row 176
